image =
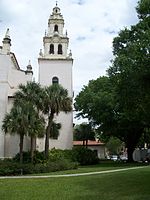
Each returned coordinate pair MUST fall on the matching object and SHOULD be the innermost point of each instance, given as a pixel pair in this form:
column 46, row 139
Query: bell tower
column 55, row 42
column 55, row 66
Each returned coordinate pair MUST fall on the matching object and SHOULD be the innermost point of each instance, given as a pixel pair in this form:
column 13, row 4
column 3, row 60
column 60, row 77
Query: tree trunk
column 32, row 148
column 21, row 148
column 130, row 150
column 48, row 129
column 83, row 142
column 86, row 144
column 132, row 141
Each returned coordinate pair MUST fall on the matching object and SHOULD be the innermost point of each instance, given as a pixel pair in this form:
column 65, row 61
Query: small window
column 51, row 51
column 59, row 49
column 56, row 28
column 55, row 80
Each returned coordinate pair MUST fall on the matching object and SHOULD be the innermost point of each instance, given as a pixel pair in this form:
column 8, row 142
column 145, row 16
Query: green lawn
column 125, row 185
column 109, row 165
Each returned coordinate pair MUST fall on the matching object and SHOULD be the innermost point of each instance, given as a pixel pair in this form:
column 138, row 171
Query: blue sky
column 91, row 27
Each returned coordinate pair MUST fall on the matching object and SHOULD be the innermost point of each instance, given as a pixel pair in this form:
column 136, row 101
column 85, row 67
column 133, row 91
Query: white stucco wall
column 3, row 109
column 10, row 78
column 60, row 68
column 4, row 70
column 48, row 68
column 100, row 150
column 16, row 77
column 65, row 137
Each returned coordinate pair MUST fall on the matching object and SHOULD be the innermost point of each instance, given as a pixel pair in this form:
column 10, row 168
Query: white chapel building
column 55, row 65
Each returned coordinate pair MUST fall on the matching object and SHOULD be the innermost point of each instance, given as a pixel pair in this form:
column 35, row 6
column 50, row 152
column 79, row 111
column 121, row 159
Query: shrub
column 69, row 154
column 56, row 162
column 13, row 168
column 84, row 156
column 56, row 154
column 26, row 157
column 38, row 157
column 81, row 155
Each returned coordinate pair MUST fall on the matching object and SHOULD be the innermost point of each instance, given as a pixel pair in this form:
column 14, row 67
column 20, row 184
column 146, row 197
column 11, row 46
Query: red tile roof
column 90, row 143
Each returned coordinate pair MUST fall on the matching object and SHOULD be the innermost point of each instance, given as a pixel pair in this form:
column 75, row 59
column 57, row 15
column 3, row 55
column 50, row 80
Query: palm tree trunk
column 83, row 142
column 32, row 148
column 48, row 129
column 86, row 144
column 21, row 147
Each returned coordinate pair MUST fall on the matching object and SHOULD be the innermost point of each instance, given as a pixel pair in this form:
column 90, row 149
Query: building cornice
column 14, row 60
column 61, row 59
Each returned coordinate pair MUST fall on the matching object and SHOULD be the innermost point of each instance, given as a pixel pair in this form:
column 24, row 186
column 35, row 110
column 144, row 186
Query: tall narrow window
column 55, row 80
column 51, row 51
column 56, row 28
column 59, row 49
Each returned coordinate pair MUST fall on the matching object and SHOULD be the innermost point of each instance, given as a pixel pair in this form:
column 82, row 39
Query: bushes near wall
column 58, row 160
column 13, row 168
column 81, row 155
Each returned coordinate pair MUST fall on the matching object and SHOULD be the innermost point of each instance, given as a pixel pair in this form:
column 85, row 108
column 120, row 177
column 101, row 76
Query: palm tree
column 36, row 128
column 32, row 93
column 55, row 100
column 84, row 132
column 17, row 122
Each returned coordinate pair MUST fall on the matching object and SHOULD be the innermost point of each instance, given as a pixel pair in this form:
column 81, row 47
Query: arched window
column 59, row 49
column 56, row 28
column 51, row 51
column 55, row 80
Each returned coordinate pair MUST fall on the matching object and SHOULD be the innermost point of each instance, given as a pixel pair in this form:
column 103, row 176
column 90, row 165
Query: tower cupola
column 29, row 68
column 56, row 10
column 6, row 43
column 55, row 41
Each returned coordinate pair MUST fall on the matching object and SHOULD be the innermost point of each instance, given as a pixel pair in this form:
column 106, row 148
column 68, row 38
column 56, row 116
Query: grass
column 99, row 167
column 125, row 185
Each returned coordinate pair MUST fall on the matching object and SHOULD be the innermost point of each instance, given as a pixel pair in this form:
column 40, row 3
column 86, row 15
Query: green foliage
column 84, row 156
column 55, row 100
column 80, row 155
column 94, row 98
column 130, row 76
column 38, row 157
column 143, row 9
column 57, row 162
column 84, row 132
column 114, row 146
column 56, row 154
column 24, row 117
column 119, row 104
column 54, row 133
column 12, row 168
